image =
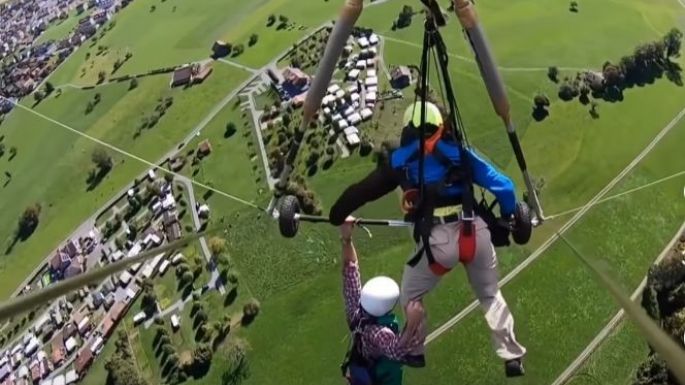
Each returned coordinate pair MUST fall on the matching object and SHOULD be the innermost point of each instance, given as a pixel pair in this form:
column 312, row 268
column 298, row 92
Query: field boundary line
column 537, row 253
column 472, row 61
column 618, row 317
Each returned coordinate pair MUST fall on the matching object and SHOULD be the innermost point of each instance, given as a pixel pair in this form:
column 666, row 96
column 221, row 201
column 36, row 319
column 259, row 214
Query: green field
column 62, row 192
column 615, row 360
column 300, row 333
column 60, row 29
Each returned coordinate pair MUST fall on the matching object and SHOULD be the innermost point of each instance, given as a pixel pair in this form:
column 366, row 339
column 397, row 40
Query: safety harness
column 424, row 213
column 360, row 370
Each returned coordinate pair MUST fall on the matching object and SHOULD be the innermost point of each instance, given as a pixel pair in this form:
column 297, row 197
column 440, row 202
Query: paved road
column 535, row 255
column 604, row 333
column 258, row 131
column 214, row 281
column 238, row 65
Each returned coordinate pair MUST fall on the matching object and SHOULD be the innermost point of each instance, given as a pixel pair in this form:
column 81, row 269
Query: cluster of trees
column 163, row 104
column 309, row 52
column 541, row 102
column 573, row 6
column 119, row 62
column 93, row 102
column 309, row 203
column 12, row 151
column 282, row 21
column 663, row 298
column 404, row 18
column 647, row 63
column 120, row 367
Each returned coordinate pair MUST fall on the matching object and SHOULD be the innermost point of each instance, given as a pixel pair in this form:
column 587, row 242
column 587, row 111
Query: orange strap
column 467, row 242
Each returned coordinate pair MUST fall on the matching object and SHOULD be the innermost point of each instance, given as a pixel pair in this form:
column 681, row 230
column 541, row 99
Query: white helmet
column 379, row 296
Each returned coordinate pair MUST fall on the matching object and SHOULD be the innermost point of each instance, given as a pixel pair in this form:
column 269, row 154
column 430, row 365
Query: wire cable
column 135, row 157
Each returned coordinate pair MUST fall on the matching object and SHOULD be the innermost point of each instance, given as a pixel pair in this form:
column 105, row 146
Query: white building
column 125, row 278
column 348, row 111
column 135, row 267
column 71, row 377
column 71, row 344
column 83, row 325
column 336, row 117
column 175, row 321
column 373, row 89
column 373, row 39
column 31, row 347
column 366, row 113
column 177, row 258
column 363, row 42
column 96, row 345
column 353, row 139
column 354, row 118
column 164, row 267
column 371, row 96
column 353, row 74
column 355, row 97
column 59, row 380
column 135, row 250
column 138, row 318
column 350, row 130
column 340, row 94
column 117, row 255
column 371, row 73
column 361, row 64
column 169, row 202
column 333, row 89
column 371, row 81
column 342, row 124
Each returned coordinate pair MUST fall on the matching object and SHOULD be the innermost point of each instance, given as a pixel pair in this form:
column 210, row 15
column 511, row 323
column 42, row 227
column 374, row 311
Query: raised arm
column 352, row 285
column 500, row 185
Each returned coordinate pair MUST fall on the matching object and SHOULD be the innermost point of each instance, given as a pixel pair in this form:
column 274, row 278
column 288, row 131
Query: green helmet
column 412, row 117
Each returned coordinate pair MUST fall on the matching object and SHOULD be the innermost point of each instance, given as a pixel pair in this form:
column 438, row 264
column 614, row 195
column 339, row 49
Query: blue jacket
column 484, row 174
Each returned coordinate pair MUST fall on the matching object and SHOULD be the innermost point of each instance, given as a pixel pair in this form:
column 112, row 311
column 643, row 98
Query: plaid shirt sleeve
column 352, row 291
column 389, row 345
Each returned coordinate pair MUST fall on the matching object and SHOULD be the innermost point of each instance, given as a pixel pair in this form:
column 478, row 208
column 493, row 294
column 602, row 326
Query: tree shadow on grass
column 231, row 297
column 540, row 114
column 247, row 319
column 95, row 177
column 674, row 73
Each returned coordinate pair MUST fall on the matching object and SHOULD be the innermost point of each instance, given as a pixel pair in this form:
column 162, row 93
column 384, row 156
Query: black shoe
column 514, row 368
column 415, row 360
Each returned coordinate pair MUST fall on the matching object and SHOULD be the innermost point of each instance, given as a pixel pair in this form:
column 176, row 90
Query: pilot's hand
column 347, row 228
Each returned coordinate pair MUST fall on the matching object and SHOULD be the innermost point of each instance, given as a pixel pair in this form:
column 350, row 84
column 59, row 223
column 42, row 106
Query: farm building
column 83, row 361
column 400, row 77
column 295, row 77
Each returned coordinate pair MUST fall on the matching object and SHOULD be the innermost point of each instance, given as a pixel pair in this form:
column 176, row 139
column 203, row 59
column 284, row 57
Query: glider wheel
column 287, row 208
column 524, row 225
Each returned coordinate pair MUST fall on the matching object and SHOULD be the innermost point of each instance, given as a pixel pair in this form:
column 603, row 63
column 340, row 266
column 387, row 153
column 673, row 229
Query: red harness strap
column 467, row 242
column 438, row 269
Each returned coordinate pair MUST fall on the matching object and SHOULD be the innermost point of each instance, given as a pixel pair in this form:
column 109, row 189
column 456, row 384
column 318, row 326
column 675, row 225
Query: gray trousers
column 483, row 276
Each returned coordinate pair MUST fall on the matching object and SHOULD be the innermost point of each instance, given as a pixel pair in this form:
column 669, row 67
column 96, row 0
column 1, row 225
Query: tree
column 201, row 316
column 553, row 74
column 231, row 129
column 2, row 149
column 238, row 49
column 102, row 159
column 152, row 8
column 541, row 101
column 673, row 42
column 28, row 221
column 202, row 359
column 253, row 39
column 168, row 350
column 38, row 96
column 133, row 84
column 250, row 310
column 169, row 177
column 89, row 107
column 653, row 371
column 232, row 278
column 197, row 271
column 13, row 152
column 613, row 77
column 121, row 371
column 186, row 278
column 164, row 340
column 49, row 88
column 270, row 20
column 97, row 97
column 217, row 245
column 237, row 366
column 101, row 76
column 149, row 302
column 405, row 16
column 567, row 91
